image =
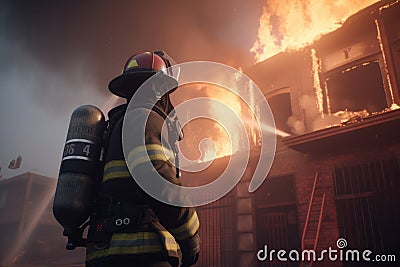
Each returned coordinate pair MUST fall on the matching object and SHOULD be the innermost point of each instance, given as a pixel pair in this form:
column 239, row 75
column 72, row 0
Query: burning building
column 337, row 174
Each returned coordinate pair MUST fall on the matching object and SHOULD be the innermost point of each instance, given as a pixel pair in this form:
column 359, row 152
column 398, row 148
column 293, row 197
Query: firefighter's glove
column 190, row 250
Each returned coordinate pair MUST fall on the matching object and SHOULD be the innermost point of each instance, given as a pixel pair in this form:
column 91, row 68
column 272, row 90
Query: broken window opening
column 358, row 88
column 281, row 108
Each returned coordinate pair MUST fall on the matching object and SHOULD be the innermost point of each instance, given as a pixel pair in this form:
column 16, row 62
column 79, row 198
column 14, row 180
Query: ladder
column 312, row 226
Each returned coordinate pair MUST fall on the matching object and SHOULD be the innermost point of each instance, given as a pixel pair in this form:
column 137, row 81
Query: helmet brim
column 125, row 85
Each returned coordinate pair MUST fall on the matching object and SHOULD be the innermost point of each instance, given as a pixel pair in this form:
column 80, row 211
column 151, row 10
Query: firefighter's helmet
column 138, row 69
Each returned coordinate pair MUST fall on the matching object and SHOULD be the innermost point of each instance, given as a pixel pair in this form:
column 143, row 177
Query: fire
column 291, row 25
column 228, row 140
column 207, row 139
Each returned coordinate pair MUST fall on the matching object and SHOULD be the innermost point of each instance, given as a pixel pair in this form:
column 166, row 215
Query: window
column 281, row 109
column 367, row 197
column 276, row 217
column 356, row 89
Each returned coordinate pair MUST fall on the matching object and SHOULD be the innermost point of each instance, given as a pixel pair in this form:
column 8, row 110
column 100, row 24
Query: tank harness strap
column 175, row 133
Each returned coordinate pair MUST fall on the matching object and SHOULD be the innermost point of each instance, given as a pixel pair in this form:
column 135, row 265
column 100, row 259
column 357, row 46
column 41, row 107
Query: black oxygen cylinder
column 80, row 168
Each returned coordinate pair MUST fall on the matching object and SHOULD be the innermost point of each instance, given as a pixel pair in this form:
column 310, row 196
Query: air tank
column 80, row 169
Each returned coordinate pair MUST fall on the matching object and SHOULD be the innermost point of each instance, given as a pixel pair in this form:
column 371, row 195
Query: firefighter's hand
column 190, row 250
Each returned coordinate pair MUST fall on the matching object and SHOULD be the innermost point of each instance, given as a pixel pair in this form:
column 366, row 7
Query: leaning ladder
column 310, row 206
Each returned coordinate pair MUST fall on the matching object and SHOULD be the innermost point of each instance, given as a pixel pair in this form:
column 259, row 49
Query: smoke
column 296, row 125
column 320, row 121
column 197, row 30
column 92, row 40
column 55, row 56
column 308, row 105
column 36, row 103
column 42, row 50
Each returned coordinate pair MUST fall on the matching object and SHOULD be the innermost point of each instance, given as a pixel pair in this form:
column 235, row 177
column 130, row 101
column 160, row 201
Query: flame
column 228, row 141
column 291, row 25
column 384, row 60
column 316, row 68
column 207, row 139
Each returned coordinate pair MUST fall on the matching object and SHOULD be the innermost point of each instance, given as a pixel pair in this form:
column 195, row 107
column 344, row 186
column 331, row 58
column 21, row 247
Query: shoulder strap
column 173, row 131
column 111, row 122
column 171, row 128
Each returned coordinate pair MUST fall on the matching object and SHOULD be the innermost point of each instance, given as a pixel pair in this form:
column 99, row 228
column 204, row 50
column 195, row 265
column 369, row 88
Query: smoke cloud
column 55, row 56
column 36, row 103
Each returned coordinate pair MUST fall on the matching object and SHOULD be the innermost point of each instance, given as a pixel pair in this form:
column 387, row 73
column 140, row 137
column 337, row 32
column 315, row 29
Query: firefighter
column 129, row 227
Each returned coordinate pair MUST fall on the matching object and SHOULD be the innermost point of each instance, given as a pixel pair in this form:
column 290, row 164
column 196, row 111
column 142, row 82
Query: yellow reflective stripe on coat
column 115, row 169
column 187, row 229
column 135, row 243
column 148, row 153
column 169, row 241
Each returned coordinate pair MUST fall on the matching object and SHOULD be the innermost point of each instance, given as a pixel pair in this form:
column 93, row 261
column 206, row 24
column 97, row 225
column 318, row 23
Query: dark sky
column 57, row 55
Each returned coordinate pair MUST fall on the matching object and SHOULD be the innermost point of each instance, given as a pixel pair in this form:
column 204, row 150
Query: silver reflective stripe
column 77, row 157
column 79, row 140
